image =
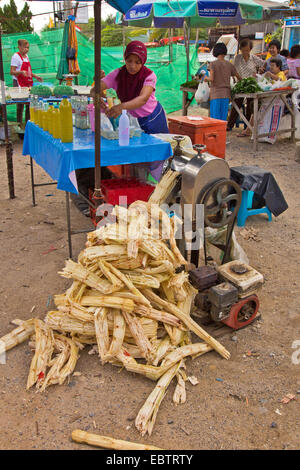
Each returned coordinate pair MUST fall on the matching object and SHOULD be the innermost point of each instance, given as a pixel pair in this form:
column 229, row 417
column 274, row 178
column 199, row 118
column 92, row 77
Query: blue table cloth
column 61, row 160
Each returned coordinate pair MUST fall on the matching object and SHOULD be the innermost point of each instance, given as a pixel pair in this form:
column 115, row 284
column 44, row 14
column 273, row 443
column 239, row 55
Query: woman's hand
column 103, row 104
column 115, row 111
column 39, row 79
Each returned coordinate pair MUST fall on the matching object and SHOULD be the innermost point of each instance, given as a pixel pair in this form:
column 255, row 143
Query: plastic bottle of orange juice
column 56, row 122
column 40, row 113
column 50, row 118
column 31, row 108
column 66, row 120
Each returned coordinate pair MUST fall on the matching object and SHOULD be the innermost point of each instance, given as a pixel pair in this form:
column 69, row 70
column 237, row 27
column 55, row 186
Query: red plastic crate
column 134, row 190
column 112, row 189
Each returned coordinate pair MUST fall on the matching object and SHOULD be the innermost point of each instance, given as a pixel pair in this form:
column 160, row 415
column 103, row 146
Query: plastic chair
column 246, row 210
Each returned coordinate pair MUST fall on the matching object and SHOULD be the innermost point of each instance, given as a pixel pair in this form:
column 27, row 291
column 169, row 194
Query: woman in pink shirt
column 294, row 62
column 135, row 86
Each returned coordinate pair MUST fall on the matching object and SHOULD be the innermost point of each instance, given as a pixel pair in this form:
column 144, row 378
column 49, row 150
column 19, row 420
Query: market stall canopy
column 120, row 5
column 206, row 13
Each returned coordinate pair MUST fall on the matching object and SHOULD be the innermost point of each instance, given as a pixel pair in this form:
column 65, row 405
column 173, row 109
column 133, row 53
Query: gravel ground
column 237, row 403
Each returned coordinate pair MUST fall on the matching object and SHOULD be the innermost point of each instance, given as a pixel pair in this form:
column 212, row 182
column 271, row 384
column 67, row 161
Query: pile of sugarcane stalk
column 131, row 300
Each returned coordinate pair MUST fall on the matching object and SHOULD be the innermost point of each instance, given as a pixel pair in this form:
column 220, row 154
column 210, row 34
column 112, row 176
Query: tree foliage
column 112, row 33
column 12, row 21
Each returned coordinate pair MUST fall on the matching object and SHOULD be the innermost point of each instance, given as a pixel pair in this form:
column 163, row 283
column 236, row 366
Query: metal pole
column 98, row 197
column 54, row 14
column 197, row 37
column 8, row 144
column 123, row 41
column 32, row 182
column 188, row 52
column 69, row 224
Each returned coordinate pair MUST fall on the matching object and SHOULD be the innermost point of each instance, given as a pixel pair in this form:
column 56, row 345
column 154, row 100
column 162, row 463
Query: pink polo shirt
column 111, row 82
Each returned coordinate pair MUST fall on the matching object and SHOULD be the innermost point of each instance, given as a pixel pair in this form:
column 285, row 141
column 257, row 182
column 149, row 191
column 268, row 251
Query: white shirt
column 16, row 61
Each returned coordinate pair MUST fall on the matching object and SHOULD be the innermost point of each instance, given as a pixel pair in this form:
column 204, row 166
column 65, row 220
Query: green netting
column 169, row 75
column 45, row 50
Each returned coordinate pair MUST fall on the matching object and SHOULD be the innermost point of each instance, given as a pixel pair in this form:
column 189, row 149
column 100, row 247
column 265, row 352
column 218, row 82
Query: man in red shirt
column 20, row 69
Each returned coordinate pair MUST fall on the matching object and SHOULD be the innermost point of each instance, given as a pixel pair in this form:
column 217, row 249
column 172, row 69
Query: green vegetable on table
column 63, row 90
column 246, row 85
column 41, row 90
column 191, row 84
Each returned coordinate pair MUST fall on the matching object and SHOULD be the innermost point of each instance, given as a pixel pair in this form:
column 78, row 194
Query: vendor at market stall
column 135, row 86
column 21, row 71
column 294, row 62
column 247, row 65
column 273, row 50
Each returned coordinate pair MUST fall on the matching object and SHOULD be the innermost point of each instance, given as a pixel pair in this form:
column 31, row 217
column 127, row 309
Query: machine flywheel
column 221, row 203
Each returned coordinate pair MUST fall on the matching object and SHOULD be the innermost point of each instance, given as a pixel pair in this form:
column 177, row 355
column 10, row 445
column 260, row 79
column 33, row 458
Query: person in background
column 247, row 65
column 102, row 75
column 220, row 73
column 285, row 53
column 294, row 62
column 21, row 71
column 275, row 72
column 273, row 49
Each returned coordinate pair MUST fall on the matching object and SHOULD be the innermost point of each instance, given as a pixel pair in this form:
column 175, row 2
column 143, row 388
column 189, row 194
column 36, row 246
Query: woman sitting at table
column 247, row 65
column 135, row 86
column 294, row 62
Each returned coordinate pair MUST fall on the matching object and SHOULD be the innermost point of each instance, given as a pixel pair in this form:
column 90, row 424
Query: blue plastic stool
column 246, row 209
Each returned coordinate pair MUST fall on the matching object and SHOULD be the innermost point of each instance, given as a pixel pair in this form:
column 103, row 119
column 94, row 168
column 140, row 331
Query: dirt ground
column 237, row 403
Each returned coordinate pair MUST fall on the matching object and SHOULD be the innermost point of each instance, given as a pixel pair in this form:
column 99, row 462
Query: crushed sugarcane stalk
column 129, row 303
column 106, row 442
column 18, row 335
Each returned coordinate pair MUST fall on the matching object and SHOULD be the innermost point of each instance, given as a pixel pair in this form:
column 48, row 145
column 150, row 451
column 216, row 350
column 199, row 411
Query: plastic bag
column 107, row 130
column 286, row 121
column 135, row 129
column 71, row 53
column 269, row 119
column 202, row 93
column 263, row 82
column 217, row 236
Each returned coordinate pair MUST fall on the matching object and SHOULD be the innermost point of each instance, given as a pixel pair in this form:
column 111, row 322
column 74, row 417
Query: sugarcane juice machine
column 203, row 180
column 228, row 292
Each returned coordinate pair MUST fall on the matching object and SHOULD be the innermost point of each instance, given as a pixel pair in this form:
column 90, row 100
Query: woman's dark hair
column 219, row 49
column 295, row 51
column 246, row 42
column 275, row 43
column 278, row 62
column 284, row 52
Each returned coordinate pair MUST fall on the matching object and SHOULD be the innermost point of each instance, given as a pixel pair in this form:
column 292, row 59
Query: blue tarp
column 61, row 160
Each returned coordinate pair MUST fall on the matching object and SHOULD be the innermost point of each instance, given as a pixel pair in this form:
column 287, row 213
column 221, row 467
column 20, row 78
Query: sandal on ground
column 244, row 134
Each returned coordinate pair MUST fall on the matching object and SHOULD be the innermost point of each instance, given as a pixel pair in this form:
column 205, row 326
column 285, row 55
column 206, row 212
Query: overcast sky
column 39, row 22
column 41, row 7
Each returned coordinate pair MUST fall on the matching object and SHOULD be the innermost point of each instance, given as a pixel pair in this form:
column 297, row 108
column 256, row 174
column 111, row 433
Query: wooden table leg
column 293, row 121
column 184, row 103
column 255, row 123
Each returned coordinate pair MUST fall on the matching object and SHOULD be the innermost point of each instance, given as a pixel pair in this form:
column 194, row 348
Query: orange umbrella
column 73, row 45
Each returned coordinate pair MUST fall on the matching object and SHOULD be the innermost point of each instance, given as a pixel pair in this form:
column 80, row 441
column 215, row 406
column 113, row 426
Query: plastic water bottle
column 124, row 129
column 66, row 120
column 31, row 108
column 35, row 109
column 73, row 104
column 45, row 115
